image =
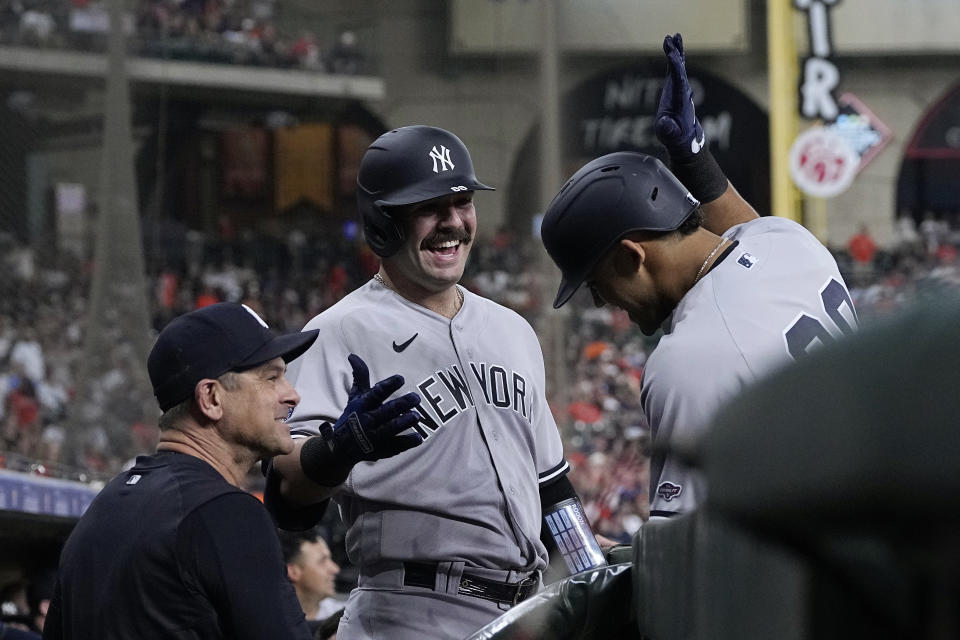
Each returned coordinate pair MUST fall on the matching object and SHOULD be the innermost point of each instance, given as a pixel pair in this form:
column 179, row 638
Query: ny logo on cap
column 443, row 157
column 254, row 314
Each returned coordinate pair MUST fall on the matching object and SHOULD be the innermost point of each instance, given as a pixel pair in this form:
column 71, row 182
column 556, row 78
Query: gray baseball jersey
column 470, row 492
column 774, row 297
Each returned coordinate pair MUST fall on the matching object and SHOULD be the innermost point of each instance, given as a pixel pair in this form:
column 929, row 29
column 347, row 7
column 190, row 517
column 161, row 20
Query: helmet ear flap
column 383, row 232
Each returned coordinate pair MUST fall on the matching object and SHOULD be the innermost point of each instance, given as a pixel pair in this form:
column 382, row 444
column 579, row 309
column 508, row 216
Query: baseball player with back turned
column 736, row 295
column 447, row 536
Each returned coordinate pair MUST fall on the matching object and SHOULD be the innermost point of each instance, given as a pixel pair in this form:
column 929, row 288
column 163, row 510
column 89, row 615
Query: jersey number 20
column 806, row 330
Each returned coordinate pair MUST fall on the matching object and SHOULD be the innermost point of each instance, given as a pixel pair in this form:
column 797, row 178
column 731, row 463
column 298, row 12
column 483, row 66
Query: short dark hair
column 691, row 223
column 292, row 541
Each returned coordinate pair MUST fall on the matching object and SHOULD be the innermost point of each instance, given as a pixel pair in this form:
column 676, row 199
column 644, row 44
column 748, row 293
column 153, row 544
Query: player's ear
column 630, row 256
column 209, row 398
column 293, row 572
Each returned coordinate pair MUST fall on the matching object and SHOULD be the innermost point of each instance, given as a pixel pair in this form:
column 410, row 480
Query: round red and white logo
column 822, row 162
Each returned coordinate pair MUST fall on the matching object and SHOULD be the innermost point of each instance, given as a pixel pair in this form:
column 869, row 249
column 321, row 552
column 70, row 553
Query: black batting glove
column 679, row 130
column 369, row 428
column 676, row 126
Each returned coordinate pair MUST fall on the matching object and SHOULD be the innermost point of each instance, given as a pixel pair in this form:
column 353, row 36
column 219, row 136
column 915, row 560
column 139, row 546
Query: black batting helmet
column 603, row 201
column 406, row 166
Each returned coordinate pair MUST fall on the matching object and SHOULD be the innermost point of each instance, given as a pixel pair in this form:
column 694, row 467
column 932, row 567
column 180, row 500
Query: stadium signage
column 615, row 110
column 820, row 75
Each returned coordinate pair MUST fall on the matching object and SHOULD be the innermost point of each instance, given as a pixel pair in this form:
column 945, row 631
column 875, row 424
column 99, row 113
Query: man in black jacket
column 174, row 547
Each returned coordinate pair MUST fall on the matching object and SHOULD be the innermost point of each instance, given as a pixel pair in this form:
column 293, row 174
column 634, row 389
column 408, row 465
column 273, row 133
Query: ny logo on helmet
column 443, row 157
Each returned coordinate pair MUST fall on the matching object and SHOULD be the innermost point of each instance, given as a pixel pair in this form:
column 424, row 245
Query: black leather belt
column 424, row 574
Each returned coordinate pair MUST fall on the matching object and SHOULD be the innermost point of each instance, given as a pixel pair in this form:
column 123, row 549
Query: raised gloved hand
column 676, row 126
column 679, row 130
column 369, row 428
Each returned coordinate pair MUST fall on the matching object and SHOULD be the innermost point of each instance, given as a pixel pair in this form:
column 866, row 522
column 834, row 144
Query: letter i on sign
column 820, row 76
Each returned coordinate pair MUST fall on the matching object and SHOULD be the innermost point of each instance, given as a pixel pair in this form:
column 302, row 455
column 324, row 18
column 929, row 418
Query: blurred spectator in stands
column 53, row 393
column 24, row 607
column 22, row 262
column 946, row 254
column 273, row 51
column 262, row 9
column 862, row 246
column 862, row 250
column 368, row 262
column 7, row 338
column 905, row 232
column 933, row 231
column 306, row 51
column 197, row 246
column 52, row 440
column 212, row 31
column 39, row 594
column 89, row 23
column 166, row 289
column 167, row 295
column 36, row 25
column 296, row 246
column 336, row 284
column 206, row 297
column 21, row 420
column 228, row 281
column 95, row 447
column 312, row 571
column 27, row 353
column 144, row 435
column 14, row 607
column 491, row 283
column 345, row 56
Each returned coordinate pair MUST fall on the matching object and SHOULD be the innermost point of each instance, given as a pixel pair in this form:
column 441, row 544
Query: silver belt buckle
column 529, row 580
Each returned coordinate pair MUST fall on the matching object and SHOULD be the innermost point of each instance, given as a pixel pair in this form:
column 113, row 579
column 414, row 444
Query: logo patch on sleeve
column 668, row 491
column 747, row 260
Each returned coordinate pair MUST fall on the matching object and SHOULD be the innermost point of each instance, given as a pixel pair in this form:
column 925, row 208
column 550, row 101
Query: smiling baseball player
column 447, row 535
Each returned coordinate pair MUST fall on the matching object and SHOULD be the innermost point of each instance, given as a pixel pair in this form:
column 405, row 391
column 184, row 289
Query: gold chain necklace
column 704, row 265
column 380, row 279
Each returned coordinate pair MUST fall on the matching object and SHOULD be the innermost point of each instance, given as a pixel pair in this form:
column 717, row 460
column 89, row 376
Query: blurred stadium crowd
column 42, row 318
column 221, row 31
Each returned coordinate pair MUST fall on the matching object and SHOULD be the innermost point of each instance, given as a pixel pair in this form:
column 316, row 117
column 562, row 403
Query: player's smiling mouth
column 444, row 247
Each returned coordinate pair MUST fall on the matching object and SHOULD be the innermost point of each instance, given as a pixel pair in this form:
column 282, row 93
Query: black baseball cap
column 211, row 341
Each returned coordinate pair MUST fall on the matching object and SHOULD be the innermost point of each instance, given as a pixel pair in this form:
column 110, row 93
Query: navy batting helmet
column 603, row 201
column 406, row 166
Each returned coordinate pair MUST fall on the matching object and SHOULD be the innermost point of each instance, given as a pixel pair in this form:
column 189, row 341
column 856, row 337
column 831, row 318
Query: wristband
column 701, row 174
column 285, row 516
column 320, row 464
